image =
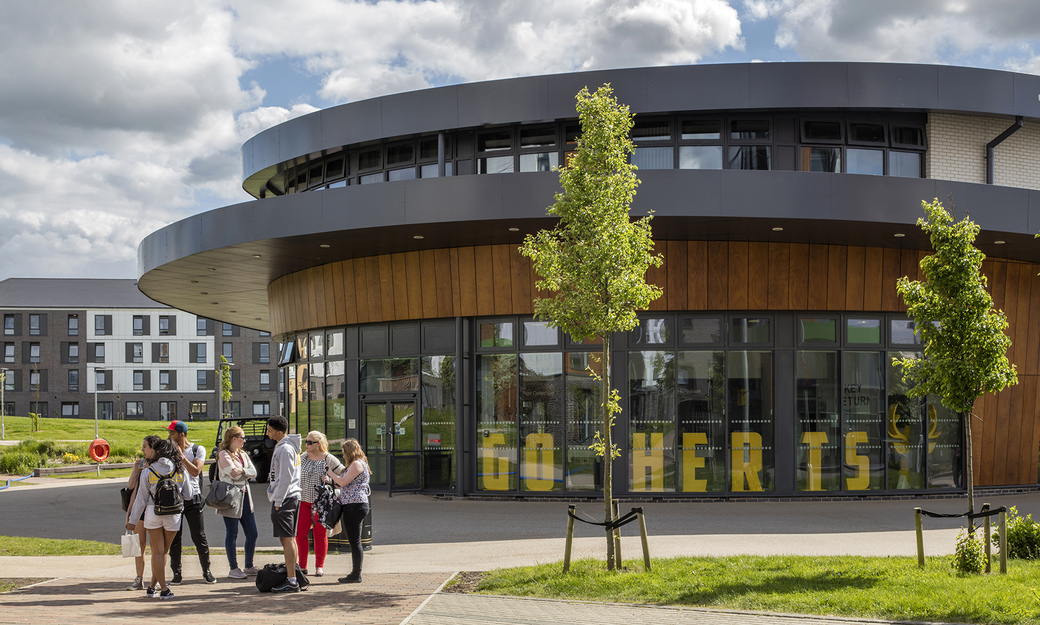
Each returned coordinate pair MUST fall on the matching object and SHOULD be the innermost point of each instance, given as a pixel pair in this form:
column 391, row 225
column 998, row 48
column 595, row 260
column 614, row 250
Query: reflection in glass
column 702, row 421
column 903, row 332
column 652, row 331
column 290, row 399
column 495, row 165
column 496, row 334
column 863, row 331
column 904, row 423
column 537, row 137
column 819, row 330
column 821, row 159
column 749, row 129
column 863, row 420
column 302, row 414
column 496, row 422
column 653, row 158
column 541, row 422
column 438, row 421
column 704, row 330
column 407, row 173
column 335, row 404
column 700, row 129
column 389, row 375
column 867, row 133
column 316, row 395
column 749, row 406
column 651, row 426
column 749, row 329
column 538, row 162
column 539, row 333
column 651, row 130
column 871, row 162
column 334, row 343
column 753, row 157
column 584, row 418
column 945, row 457
column 818, row 432
column 700, row 157
column 905, row 164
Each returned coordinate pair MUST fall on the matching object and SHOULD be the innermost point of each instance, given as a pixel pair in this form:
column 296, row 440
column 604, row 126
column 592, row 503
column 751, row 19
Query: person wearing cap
column 194, row 461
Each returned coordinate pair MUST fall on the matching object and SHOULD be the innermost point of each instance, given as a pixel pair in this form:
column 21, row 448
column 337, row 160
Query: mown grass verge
column 881, row 588
column 23, row 546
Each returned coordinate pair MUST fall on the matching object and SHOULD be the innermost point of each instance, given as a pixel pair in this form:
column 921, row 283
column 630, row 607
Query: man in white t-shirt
column 194, row 461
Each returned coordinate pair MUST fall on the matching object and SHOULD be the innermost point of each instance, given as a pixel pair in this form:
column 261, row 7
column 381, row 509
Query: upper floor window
column 227, row 351
column 141, row 325
column 862, row 147
column 8, row 352
column 73, row 352
column 34, row 352
column 201, row 326
column 227, row 329
column 102, row 325
column 73, row 325
column 34, row 325
column 167, row 325
column 9, row 325
column 99, row 352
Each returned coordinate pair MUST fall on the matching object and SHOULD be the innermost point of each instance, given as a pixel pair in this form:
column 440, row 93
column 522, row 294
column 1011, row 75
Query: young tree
column 594, row 262
column 224, row 371
column 965, row 348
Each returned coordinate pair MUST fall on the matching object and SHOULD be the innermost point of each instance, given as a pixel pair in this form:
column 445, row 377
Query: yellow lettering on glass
column 538, row 461
column 495, row 469
column 746, row 454
column 691, row 462
column 815, row 441
column 649, row 459
column 861, row 481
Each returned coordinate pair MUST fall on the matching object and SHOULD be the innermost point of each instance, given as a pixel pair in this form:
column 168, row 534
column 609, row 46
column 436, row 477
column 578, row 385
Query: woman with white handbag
column 235, row 468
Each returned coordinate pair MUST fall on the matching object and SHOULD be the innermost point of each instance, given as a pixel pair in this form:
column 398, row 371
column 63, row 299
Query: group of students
column 294, row 481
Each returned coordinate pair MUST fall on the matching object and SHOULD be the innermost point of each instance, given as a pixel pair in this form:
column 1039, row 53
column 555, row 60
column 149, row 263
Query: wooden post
column 1003, row 542
column 570, row 539
column 986, row 540
column 920, row 538
column 646, row 543
column 617, row 538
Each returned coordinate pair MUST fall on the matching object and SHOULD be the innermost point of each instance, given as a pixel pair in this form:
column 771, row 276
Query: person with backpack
column 160, row 501
column 142, row 534
column 194, row 462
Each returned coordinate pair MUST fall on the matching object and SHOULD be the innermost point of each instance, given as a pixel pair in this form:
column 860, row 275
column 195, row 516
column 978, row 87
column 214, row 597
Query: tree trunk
column 608, row 455
column 968, row 477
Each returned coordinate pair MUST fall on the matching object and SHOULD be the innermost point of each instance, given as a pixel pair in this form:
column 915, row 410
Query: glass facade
column 725, row 404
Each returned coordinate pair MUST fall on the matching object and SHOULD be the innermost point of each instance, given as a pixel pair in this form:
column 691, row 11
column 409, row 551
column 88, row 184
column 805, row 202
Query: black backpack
column 167, row 499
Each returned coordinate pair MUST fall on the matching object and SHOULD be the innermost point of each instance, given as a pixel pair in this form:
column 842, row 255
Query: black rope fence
column 985, row 512
column 615, row 524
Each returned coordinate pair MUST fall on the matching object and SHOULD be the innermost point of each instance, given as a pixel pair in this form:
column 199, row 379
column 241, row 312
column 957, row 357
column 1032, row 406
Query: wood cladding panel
column 696, row 275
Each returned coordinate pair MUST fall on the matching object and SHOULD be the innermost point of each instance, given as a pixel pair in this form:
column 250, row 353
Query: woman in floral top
column 354, row 497
column 314, row 464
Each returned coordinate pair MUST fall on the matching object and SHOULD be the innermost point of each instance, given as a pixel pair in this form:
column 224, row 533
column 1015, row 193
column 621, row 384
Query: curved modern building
column 381, row 250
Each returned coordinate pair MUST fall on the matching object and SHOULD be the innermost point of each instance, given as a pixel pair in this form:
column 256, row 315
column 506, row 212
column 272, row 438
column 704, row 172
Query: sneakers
column 251, row 571
column 236, row 573
column 151, row 592
column 318, row 572
column 286, row 586
column 166, row 594
column 176, row 578
column 350, row 579
column 137, row 585
column 206, row 575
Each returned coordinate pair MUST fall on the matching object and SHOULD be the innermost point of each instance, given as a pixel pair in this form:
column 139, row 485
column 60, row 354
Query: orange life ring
column 99, row 450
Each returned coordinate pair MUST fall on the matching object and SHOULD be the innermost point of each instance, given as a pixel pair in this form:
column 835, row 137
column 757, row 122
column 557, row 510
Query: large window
column 73, row 327
column 863, row 147
column 9, row 325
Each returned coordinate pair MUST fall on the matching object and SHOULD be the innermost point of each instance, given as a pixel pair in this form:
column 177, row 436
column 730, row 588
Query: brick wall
column 957, row 150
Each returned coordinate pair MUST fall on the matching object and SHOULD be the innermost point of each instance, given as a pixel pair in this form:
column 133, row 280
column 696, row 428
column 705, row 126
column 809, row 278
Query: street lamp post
column 3, row 404
column 96, row 369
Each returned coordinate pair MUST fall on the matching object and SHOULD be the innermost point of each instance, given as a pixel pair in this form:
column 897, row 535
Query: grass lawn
column 881, row 588
column 115, row 432
column 21, row 546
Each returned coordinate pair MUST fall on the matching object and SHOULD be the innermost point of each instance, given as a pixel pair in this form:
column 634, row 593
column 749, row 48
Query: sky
column 118, row 117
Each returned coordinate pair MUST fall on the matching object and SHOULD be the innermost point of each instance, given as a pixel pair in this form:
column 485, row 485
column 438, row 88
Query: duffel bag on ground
column 274, row 574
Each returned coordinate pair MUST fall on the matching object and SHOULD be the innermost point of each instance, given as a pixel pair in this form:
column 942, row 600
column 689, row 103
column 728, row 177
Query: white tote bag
column 131, row 545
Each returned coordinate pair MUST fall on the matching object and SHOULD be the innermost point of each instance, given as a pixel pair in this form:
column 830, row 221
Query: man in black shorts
column 283, row 491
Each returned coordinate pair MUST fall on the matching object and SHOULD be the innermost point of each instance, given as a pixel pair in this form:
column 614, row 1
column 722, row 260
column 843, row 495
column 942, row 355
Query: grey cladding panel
column 350, row 123
column 404, row 339
column 968, row 89
column 992, row 207
column 299, row 136
column 798, row 85
column 499, row 102
column 688, row 192
column 698, row 87
column 438, row 337
column 418, row 111
column 629, row 88
column 891, row 86
column 374, row 341
column 1027, row 95
column 362, row 206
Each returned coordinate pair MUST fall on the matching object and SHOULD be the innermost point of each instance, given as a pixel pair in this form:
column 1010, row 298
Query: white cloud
column 986, row 33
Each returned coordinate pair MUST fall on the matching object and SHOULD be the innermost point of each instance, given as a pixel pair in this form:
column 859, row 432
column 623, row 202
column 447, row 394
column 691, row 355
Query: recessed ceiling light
column 514, row 229
column 194, row 281
column 418, row 237
column 203, row 292
column 998, row 242
column 232, row 311
column 215, row 303
column 324, row 245
column 899, row 235
column 212, row 268
column 778, row 229
column 256, row 256
column 256, row 319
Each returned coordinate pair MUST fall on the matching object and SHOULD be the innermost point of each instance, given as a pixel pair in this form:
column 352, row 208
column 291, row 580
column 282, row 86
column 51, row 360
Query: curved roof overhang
column 218, row 264
column 732, row 87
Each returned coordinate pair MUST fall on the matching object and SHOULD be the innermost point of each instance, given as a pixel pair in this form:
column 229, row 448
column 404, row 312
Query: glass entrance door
column 392, row 443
